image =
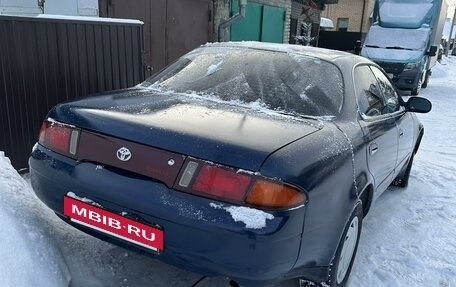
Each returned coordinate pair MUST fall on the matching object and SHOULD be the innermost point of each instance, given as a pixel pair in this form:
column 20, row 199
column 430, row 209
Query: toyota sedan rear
column 249, row 160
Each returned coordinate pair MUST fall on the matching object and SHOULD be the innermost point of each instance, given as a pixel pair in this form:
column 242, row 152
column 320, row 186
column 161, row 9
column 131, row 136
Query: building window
column 342, row 24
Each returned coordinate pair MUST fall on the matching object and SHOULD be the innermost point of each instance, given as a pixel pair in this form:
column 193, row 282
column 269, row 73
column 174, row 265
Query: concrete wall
column 351, row 9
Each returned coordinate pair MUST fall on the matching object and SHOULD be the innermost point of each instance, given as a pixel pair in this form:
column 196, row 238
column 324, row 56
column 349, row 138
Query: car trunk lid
column 173, row 126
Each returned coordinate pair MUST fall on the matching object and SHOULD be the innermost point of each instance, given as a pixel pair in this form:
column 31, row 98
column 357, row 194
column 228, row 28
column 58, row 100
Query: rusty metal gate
column 171, row 27
column 47, row 61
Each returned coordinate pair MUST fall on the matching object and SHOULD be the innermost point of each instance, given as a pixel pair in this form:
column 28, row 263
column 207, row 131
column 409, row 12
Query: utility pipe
column 231, row 21
column 362, row 19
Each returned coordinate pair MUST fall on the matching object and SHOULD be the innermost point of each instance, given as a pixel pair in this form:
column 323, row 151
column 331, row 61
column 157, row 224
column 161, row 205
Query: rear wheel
column 345, row 254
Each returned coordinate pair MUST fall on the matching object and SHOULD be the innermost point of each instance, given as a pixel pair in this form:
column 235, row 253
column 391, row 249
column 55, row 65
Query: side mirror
column 433, row 51
column 418, row 105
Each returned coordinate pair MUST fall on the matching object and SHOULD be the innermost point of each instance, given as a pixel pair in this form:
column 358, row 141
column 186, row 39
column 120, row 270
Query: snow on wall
column 92, row 19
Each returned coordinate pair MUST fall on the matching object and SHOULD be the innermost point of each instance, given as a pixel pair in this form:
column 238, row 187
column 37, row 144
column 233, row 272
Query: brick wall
column 352, row 10
column 304, row 12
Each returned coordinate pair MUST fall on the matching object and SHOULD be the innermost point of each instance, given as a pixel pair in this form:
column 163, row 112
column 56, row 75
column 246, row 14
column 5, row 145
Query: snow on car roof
column 324, row 54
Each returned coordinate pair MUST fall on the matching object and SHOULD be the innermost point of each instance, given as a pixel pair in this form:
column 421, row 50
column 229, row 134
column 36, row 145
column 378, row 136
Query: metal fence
column 46, row 61
column 342, row 41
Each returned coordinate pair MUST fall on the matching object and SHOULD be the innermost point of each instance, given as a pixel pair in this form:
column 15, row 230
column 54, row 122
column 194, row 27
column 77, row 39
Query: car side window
column 370, row 100
column 391, row 98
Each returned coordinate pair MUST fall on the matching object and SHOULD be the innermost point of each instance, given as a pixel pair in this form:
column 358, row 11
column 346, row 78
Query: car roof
column 321, row 53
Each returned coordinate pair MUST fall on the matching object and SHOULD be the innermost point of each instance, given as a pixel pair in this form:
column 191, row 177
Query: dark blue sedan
column 249, row 160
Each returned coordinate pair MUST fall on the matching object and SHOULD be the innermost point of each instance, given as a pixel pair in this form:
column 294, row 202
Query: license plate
column 391, row 76
column 113, row 224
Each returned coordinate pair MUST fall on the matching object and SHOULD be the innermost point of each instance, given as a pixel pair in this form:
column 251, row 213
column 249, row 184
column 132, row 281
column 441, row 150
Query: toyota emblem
column 123, row 154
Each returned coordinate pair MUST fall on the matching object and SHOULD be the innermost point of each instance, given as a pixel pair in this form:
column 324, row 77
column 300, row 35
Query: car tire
column 416, row 91
column 342, row 265
column 426, row 79
column 402, row 179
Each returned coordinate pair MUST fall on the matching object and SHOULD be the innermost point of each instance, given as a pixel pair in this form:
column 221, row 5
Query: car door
column 404, row 121
column 379, row 128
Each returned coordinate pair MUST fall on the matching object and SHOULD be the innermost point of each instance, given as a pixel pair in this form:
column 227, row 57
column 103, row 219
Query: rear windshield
column 288, row 83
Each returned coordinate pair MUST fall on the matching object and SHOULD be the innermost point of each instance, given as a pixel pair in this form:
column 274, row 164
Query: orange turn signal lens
column 275, row 195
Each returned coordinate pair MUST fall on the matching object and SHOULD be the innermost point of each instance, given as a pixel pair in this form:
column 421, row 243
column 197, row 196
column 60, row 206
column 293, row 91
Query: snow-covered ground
column 408, row 239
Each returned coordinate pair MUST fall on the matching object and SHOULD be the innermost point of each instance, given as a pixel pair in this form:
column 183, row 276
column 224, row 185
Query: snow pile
column 29, row 256
column 251, row 217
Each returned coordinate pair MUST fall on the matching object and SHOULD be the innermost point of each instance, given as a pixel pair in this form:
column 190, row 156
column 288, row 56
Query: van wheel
column 426, row 79
column 416, row 91
column 346, row 251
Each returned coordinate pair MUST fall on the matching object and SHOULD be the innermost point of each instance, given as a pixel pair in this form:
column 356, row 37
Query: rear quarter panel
column 322, row 164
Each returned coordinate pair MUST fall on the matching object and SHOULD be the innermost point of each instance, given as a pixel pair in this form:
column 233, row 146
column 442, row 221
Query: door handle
column 373, row 148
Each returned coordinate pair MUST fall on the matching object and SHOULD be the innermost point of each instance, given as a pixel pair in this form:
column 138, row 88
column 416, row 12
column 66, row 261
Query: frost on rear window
column 284, row 82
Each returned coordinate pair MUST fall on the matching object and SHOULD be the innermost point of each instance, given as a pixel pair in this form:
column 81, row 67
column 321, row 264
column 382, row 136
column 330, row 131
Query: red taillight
column 240, row 187
column 59, row 137
column 221, row 183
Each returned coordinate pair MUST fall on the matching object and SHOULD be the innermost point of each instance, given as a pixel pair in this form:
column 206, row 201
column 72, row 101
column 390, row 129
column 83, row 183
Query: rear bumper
column 198, row 237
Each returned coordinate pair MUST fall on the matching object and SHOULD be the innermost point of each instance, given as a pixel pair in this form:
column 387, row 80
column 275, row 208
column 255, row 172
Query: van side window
column 369, row 97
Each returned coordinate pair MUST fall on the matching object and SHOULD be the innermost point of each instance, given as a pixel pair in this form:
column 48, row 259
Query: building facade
column 350, row 15
column 305, row 20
